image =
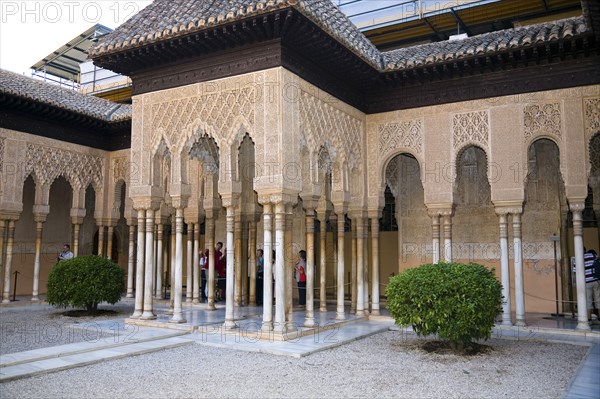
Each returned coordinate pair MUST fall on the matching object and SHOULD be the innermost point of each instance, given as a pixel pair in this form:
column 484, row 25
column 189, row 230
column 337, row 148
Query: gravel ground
column 23, row 329
column 390, row 364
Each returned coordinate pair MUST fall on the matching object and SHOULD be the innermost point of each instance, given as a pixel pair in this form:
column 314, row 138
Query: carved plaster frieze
column 471, row 127
column 1, row 152
column 322, row 123
column 48, row 163
column 402, row 134
column 120, row 168
column 218, row 109
column 591, row 107
column 542, row 119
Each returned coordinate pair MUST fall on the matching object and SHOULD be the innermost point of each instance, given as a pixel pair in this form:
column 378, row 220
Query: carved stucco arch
column 561, row 156
column 594, row 137
column 385, row 162
column 458, row 154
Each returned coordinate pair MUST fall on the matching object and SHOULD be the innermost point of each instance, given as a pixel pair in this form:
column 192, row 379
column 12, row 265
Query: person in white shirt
column 66, row 253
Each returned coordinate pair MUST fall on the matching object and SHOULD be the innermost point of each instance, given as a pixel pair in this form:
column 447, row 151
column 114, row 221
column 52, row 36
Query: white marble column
column 252, row 253
column 435, row 233
column 518, row 266
column 353, row 287
column 323, row 262
column 267, row 323
column 447, row 216
column 280, row 286
column 76, row 228
column 139, row 270
column 158, row 293
column 310, row 268
column 148, row 313
column 504, row 268
column 230, row 273
column 195, row 264
column 2, row 235
column 365, row 239
column 360, row 282
column 582, row 318
column 131, row 260
column 375, row 265
column 210, row 238
column 172, row 265
column 188, row 263
column 176, row 287
column 238, row 264
column 8, row 265
column 39, row 223
column 340, row 313
column 109, row 241
column 101, row 240
column 289, row 259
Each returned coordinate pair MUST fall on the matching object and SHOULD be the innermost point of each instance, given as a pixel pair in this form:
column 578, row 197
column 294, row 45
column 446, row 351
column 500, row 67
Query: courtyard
column 525, row 363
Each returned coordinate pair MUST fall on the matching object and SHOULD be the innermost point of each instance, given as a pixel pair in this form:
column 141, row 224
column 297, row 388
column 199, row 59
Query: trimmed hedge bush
column 84, row 282
column 459, row 302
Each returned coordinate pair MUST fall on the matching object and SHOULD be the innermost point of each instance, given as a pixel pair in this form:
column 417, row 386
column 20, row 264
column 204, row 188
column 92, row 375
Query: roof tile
column 69, row 100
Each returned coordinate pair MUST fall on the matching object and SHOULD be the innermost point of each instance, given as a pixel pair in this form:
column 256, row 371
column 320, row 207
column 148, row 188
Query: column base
column 583, row 326
column 229, row 325
column 177, row 319
column 309, row 322
column 148, row 315
column 375, row 312
column 188, row 300
column 520, row 323
column 340, row 316
column 211, row 306
column 267, row 327
column 136, row 314
column 35, row 299
column 196, row 301
column 323, row 309
column 129, row 295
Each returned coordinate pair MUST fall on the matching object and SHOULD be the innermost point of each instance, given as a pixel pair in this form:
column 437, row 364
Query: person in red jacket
column 300, row 269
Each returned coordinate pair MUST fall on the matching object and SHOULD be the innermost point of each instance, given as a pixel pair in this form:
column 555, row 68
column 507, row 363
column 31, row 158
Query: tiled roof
column 447, row 51
column 165, row 19
column 69, row 100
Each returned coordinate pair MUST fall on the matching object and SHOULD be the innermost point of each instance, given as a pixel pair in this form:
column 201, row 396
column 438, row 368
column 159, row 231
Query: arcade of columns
column 268, row 142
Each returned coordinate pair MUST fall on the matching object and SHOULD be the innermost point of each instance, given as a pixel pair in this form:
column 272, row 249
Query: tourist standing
column 300, row 270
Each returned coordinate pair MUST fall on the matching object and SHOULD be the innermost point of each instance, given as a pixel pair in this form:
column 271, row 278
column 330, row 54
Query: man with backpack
column 592, row 281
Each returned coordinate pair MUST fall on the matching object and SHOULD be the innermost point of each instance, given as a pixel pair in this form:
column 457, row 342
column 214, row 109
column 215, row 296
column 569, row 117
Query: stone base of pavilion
column 248, row 322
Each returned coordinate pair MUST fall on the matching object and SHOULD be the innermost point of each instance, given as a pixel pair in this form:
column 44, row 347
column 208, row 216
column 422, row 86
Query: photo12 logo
column 113, row 12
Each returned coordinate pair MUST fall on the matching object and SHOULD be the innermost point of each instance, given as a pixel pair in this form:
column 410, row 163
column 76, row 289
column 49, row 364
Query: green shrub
column 84, row 282
column 459, row 302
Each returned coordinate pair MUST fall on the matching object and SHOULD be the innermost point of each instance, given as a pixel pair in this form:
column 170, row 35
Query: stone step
column 120, row 335
column 84, row 358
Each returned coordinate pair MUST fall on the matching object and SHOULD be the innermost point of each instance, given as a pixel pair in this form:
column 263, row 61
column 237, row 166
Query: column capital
column 147, row 203
column 231, row 199
column 576, row 205
column 374, row 213
column 440, row 209
column 274, row 197
column 356, row 212
column 310, row 202
column 340, row 207
column 179, row 202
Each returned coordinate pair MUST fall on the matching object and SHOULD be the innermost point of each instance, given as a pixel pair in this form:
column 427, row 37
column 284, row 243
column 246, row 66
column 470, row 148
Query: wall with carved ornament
column 31, row 162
